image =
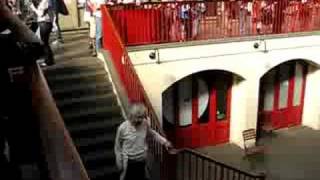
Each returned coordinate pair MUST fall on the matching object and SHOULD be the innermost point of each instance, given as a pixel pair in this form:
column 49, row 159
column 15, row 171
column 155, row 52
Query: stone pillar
column 311, row 113
column 244, row 108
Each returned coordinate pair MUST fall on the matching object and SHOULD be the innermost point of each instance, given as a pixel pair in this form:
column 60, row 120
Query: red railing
column 152, row 23
column 130, row 80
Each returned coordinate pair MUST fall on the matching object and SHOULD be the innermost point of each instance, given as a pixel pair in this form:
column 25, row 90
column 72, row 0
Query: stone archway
column 281, row 95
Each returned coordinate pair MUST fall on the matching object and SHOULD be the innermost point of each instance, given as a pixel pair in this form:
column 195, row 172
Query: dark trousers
column 45, row 30
column 34, row 26
column 136, row 170
column 59, row 35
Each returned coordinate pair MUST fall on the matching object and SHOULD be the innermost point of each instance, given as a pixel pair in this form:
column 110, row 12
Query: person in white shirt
column 131, row 146
column 91, row 21
column 97, row 14
column 45, row 17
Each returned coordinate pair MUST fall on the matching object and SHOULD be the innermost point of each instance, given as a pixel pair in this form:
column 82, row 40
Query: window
column 168, row 110
column 269, row 91
column 185, row 101
column 203, row 101
column 222, row 93
column 284, row 71
column 298, row 79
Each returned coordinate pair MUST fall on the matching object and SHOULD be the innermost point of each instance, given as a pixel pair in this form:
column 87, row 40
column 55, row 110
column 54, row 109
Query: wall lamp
column 256, row 45
column 154, row 55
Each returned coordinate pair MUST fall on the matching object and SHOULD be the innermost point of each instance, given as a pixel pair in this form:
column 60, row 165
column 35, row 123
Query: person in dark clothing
column 58, row 7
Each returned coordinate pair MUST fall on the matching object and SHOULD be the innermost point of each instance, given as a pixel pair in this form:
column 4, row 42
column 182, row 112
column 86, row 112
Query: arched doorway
column 196, row 109
column 282, row 94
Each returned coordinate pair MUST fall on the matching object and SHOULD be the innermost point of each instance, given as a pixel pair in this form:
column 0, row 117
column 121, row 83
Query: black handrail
column 210, row 159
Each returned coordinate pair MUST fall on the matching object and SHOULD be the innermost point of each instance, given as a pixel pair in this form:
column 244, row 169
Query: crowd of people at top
column 185, row 20
column 180, row 20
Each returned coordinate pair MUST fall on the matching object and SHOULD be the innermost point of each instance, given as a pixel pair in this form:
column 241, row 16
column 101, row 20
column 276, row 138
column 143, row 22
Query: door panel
column 295, row 115
column 202, row 117
column 184, row 127
column 222, row 88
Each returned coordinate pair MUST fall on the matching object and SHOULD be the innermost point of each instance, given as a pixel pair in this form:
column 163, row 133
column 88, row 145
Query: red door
column 282, row 94
column 222, row 94
column 203, row 110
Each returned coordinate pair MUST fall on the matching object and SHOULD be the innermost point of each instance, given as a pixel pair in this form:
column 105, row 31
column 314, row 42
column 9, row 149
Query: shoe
column 90, row 44
column 94, row 54
column 94, row 49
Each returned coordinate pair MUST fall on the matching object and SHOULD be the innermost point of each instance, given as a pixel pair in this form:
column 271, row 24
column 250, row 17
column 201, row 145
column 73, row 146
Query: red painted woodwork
column 290, row 115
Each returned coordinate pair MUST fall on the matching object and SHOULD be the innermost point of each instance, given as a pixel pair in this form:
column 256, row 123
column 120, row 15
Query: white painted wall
column 311, row 115
column 239, row 58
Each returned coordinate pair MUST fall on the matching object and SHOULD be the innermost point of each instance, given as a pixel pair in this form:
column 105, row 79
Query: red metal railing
column 130, row 80
column 152, row 23
column 170, row 165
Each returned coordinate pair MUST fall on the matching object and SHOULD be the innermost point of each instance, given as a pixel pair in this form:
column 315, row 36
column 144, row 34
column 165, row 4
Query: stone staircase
column 84, row 96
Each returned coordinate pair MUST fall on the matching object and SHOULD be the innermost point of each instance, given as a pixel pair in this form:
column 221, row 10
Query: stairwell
column 85, row 99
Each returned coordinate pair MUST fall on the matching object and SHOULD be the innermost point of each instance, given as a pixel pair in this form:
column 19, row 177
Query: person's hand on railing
column 170, row 149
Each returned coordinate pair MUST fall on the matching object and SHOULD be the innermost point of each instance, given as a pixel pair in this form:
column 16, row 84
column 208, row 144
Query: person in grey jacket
column 131, row 146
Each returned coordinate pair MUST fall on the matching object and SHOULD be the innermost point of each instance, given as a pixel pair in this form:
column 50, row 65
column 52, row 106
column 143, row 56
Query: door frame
column 202, row 134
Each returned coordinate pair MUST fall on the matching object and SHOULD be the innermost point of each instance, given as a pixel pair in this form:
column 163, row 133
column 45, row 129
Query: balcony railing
column 165, row 22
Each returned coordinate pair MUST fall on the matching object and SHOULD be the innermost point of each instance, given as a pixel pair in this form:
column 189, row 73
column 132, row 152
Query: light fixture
column 154, row 55
column 256, row 45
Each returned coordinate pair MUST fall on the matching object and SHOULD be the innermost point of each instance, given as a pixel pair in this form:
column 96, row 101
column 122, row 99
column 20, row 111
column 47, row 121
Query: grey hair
column 137, row 109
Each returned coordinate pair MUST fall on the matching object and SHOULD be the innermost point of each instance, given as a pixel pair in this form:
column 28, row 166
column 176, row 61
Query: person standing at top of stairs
column 131, row 146
column 45, row 19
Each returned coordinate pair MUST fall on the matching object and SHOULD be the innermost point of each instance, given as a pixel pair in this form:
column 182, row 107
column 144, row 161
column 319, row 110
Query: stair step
column 85, row 145
column 75, row 54
column 85, row 98
column 94, row 113
column 106, row 173
column 72, row 68
column 76, row 76
column 87, row 102
column 80, row 90
column 101, row 157
column 93, row 79
column 81, row 62
column 78, row 129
